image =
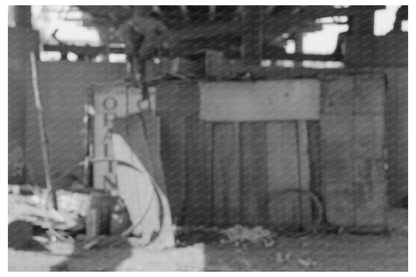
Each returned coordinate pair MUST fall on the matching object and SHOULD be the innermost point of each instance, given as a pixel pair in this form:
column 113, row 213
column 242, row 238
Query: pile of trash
column 240, row 234
column 29, row 204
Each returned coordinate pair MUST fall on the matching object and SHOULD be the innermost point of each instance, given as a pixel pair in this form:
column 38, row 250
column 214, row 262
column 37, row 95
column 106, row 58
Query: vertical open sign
column 110, row 103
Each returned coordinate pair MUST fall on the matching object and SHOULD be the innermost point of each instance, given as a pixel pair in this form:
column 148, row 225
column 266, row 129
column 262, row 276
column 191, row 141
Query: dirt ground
column 310, row 253
column 204, row 252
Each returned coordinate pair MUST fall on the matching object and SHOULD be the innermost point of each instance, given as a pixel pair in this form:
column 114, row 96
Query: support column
column 298, row 47
column 23, row 16
column 252, row 34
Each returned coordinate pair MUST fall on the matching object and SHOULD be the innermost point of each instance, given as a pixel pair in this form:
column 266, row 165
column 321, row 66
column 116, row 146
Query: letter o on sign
column 110, row 103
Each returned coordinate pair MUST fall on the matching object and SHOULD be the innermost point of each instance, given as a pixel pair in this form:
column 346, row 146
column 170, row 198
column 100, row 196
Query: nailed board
column 369, row 181
column 173, row 161
column 288, row 168
column 397, row 134
column 260, row 101
column 352, row 145
column 336, row 141
column 199, row 179
column 253, row 173
column 352, row 170
column 226, row 174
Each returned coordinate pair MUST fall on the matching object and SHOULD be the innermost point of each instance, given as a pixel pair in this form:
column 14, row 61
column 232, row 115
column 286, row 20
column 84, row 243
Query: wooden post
column 362, row 20
column 298, row 47
column 42, row 130
column 252, row 34
column 23, row 16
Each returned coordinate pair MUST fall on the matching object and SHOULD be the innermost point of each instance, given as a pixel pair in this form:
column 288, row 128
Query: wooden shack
column 231, row 150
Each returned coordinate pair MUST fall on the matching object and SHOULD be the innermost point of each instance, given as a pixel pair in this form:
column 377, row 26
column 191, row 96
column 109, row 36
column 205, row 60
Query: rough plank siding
column 253, row 174
column 304, row 174
column 226, row 174
column 178, row 98
column 64, row 103
column 152, row 126
column 173, row 160
column 369, row 183
column 353, row 178
column 282, row 164
column 17, row 87
column 336, row 169
column 199, row 161
column 402, row 75
column 396, row 115
column 337, row 96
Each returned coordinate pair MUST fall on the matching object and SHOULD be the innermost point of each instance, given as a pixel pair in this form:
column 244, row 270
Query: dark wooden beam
column 302, row 57
column 23, row 16
column 85, row 50
column 252, row 33
column 273, row 25
column 269, row 52
column 361, row 20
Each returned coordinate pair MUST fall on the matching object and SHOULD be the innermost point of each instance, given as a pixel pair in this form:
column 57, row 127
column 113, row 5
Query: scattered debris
column 307, row 262
column 282, row 257
column 239, row 234
column 28, row 203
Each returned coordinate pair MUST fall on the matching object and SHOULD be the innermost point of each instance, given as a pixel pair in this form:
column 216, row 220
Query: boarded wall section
column 20, row 42
column 352, row 144
column 226, row 173
column 396, row 115
column 64, row 88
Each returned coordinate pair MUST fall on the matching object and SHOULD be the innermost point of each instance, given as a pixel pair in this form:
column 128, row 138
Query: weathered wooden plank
column 369, row 183
column 65, row 108
column 208, row 172
column 368, row 94
column 391, row 116
column 173, row 160
column 314, row 140
column 133, row 131
column 260, row 101
column 402, row 116
column 188, row 210
column 21, row 41
column 260, row 178
column 248, row 201
column 253, row 174
column 304, row 174
column 283, row 170
column 303, row 155
column 17, row 87
column 152, row 128
column 337, row 96
column 336, row 169
column 226, row 174
column 200, row 198
column 177, row 97
column 252, row 33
